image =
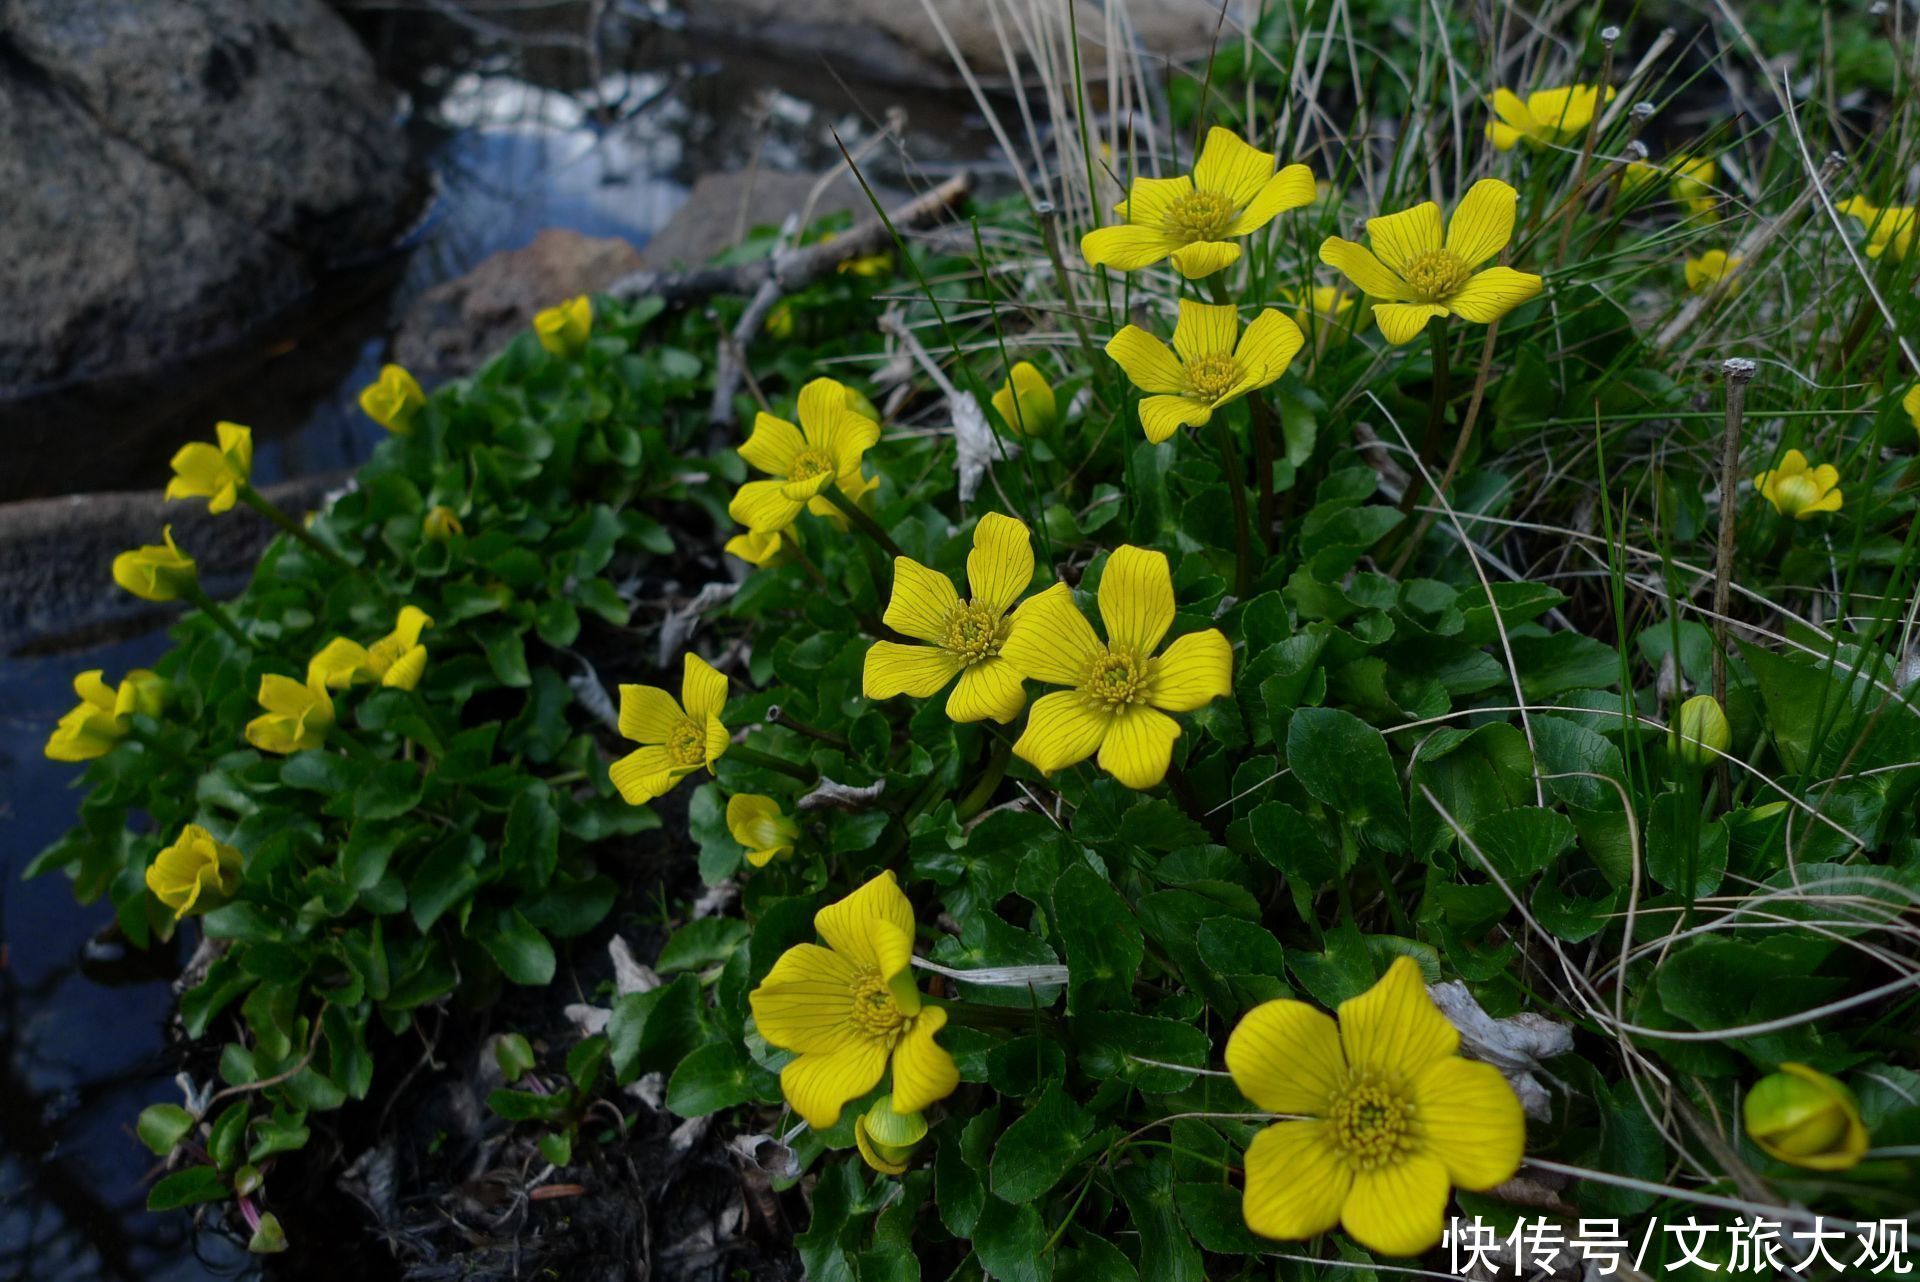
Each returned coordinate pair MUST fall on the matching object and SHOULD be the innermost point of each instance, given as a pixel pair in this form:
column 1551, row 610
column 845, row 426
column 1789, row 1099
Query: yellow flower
column 393, row 399
column 677, row 738
column 1233, row 192
column 851, row 1007
column 196, row 874
column 216, row 474
column 1799, row 491
column 441, row 523
column 298, row 714
column 1700, row 733
column 1887, row 227
column 1911, row 404
column 866, row 265
column 758, row 825
column 886, row 1139
column 1805, row 1118
column 1391, row 1117
column 1121, row 692
column 1325, row 307
column 1690, row 178
column 963, row 637
column 1206, row 367
column 157, row 572
column 761, row 550
column 1420, row 273
column 826, row 448
column 1026, row 403
column 564, row 329
column 104, row 714
column 1704, row 272
column 1547, row 116
column 397, row 659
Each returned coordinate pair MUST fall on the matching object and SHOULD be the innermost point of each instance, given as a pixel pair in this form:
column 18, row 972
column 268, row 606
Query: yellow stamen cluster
column 688, row 744
column 875, row 1012
column 975, row 631
column 1372, row 1121
column 1117, row 678
column 1200, row 215
column 1213, row 376
column 1436, row 274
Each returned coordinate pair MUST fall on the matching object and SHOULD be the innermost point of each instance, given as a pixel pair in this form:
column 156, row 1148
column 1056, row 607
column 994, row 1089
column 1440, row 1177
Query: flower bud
column 758, row 825
column 157, row 572
column 1805, row 1118
column 564, row 330
column 393, row 399
column 441, row 524
column 1700, row 732
column 886, row 1138
column 196, row 874
column 1026, row 402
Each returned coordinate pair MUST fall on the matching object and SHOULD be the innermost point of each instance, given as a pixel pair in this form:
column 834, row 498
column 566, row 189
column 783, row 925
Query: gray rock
column 178, row 171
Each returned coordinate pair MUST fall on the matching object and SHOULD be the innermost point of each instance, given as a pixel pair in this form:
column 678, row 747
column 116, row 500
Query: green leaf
column 718, row 1075
column 447, row 876
column 1011, row 1243
column 530, row 846
column 1036, row 1152
column 1103, row 941
column 389, row 790
column 1519, row 843
column 1346, row 765
column 190, row 1187
column 161, row 1126
column 1167, row 1254
column 702, row 943
column 523, row 953
column 506, row 651
column 1286, row 839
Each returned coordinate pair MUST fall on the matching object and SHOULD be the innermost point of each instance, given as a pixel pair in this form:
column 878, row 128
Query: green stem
column 1012, row 1018
column 868, row 623
column 866, row 524
column 982, row 791
column 767, row 761
column 1436, row 412
column 205, row 604
column 267, row 508
column 1266, row 424
column 1237, row 490
column 779, row 716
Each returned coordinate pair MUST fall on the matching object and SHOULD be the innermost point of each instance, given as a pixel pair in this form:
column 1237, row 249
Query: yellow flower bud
column 441, row 524
column 1700, row 732
column 214, row 473
column 393, row 399
column 886, row 1138
column 564, row 330
column 297, row 715
column 1026, row 403
column 758, row 825
column 761, row 550
column 141, row 692
column 1805, row 1118
column 157, row 572
column 196, row 874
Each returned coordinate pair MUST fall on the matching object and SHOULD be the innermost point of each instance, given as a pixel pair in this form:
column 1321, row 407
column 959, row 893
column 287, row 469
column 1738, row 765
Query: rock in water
column 176, row 172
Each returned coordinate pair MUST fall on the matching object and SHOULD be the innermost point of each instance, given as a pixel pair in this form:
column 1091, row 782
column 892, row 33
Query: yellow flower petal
column 773, row 446
column 1138, row 746
column 718, row 741
column 405, row 672
column 923, row 601
column 990, row 688
column 1398, row 1208
column 763, row 506
column 703, row 688
column 919, row 671
column 1026, row 402
column 1296, row 1181
column 1000, row 567
column 1162, row 416
column 1285, row 1056
column 1513, row 113
column 1232, row 167
column 1149, row 363
column 1400, row 238
column 1051, row 640
column 1195, row 670
column 758, row 824
column 1493, row 293
column 923, row 1072
column 1482, row 223
column 1357, row 263
column 644, row 774
column 1136, row 599
column 1062, row 729
column 1472, row 1121
column 1204, row 329
column 648, row 714
column 1394, row 1028
column 1403, row 322
column 1127, row 247
column 819, row 1086
column 805, row 1003
column 1149, row 199
column 1291, row 188
column 1503, row 136
column 849, row 926
column 1269, row 345
column 92, row 688
column 1202, row 258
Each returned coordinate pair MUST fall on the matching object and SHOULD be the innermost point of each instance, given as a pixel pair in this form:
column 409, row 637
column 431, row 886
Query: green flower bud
column 1700, row 732
column 1805, row 1118
column 886, row 1138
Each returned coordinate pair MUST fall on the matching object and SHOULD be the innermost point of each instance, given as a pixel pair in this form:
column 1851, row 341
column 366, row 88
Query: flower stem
column 205, row 604
column 982, row 791
column 267, row 508
column 1436, row 410
column 872, row 626
column 1736, row 373
column 1237, row 490
column 1266, row 432
column 767, row 761
column 779, row 716
column 866, row 524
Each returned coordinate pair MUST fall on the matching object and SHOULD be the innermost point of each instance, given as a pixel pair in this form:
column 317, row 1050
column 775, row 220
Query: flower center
column 808, row 464
column 687, row 744
column 1200, row 215
column 1212, row 376
column 1372, row 1122
column 1116, row 678
column 974, row 632
column 875, row 1013
column 1795, row 493
column 1435, row 274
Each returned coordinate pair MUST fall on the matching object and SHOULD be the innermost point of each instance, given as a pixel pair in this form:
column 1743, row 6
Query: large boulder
column 175, row 173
